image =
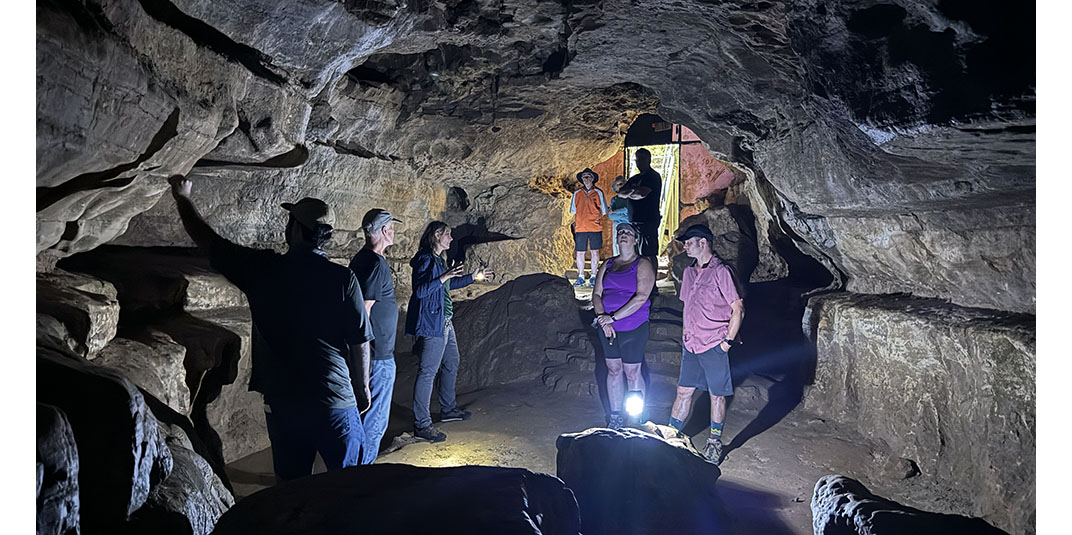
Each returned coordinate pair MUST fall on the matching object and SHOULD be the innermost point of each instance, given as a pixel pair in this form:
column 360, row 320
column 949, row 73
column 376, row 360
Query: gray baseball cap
column 376, row 219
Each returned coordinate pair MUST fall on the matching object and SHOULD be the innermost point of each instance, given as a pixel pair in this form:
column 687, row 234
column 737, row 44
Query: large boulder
column 502, row 335
column 189, row 501
column 843, row 506
column 395, row 498
column 121, row 453
column 57, row 474
column 633, row 481
column 948, row 387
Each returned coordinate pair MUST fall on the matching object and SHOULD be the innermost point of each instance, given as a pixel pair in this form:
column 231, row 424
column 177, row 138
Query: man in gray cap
column 374, row 276
column 311, row 335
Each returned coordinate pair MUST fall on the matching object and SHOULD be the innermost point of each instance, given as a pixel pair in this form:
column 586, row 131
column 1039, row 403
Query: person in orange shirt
column 589, row 205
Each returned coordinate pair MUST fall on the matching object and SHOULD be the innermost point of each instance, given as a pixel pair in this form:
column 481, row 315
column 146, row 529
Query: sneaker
column 592, row 281
column 713, row 451
column 455, row 415
column 430, row 434
column 579, row 282
column 615, row 421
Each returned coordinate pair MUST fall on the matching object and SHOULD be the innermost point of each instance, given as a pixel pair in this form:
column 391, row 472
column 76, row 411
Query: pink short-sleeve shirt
column 707, row 293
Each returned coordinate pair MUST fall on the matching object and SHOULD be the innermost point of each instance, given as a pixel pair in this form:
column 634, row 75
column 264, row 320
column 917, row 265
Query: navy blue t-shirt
column 307, row 312
column 374, row 276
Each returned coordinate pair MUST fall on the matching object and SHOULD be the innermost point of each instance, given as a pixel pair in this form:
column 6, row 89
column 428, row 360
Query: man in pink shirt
column 712, row 315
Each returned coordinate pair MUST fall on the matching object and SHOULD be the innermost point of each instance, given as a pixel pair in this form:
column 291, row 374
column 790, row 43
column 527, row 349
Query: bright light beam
column 634, row 403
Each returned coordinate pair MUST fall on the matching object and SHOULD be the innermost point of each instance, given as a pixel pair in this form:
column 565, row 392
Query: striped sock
column 676, row 424
column 716, row 430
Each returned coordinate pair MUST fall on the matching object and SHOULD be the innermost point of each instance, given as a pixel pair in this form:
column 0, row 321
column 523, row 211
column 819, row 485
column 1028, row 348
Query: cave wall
column 892, row 141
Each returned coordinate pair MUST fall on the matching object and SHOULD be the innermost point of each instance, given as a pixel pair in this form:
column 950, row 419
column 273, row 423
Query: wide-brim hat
column 595, row 176
column 311, row 212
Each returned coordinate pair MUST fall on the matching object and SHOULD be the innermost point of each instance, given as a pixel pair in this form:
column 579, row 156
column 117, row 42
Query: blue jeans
column 298, row 433
column 382, row 384
column 435, row 351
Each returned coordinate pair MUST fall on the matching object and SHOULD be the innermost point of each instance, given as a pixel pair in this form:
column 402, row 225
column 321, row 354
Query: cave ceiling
column 894, row 141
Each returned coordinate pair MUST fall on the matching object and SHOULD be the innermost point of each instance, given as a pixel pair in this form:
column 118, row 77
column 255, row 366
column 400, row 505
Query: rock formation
column 843, row 506
column 633, row 481
column 462, row 499
column 950, row 388
column 57, row 473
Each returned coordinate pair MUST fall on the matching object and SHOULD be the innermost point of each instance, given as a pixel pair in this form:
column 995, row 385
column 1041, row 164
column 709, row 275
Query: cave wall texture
column 892, row 141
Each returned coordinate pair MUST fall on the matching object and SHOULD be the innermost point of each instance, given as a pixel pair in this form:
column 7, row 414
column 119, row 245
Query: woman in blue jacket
column 429, row 319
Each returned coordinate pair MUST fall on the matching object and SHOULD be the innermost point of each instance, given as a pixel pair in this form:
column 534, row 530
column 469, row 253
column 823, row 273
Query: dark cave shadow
column 748, row 510
column 775, row 348
column 469, row 234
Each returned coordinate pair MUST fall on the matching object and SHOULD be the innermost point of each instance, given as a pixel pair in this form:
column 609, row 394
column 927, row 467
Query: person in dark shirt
column 644, row 190
column 311, row 335
column 374, row 275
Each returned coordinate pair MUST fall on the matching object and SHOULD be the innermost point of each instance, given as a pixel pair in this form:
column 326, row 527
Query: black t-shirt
column 374, row 276
column 646, row 210
column 307, row 312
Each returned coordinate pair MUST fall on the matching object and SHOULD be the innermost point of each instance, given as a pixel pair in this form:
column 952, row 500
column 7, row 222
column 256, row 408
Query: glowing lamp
column 479, row 276
column 634, row 403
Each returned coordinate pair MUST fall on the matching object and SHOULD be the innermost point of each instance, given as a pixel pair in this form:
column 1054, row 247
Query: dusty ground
column 776, row 451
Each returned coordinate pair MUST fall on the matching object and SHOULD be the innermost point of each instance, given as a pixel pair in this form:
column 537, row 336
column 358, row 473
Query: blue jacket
column 425, row 314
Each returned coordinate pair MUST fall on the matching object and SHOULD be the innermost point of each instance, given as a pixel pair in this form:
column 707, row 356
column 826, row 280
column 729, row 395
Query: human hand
column 725, row 346
column 608, row 331
column 455, row 271
column 180, row 186
column 364, row 398
column 604, row 319
column 483, row 273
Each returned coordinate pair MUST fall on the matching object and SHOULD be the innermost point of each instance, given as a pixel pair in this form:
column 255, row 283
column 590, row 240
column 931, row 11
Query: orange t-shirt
column 589, row 206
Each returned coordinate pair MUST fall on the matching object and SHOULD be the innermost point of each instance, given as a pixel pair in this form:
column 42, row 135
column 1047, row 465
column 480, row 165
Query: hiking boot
column 455, row 415
column 615, row 421
column 431, row 434
column 713, row 451
column 579, row 282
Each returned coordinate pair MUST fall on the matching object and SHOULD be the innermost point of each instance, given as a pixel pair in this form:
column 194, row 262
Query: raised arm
column 195, row 225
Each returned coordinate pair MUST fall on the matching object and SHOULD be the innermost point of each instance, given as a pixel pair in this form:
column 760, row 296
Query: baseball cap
column 376, row 219
column 697, row 231
column 595, row 176
column 311, row 212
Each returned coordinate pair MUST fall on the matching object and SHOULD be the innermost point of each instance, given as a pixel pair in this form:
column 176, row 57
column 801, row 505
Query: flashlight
column 479, row 276
column 634, row 403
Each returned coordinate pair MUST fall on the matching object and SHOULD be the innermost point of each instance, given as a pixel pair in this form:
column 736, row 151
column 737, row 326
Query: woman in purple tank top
column 620, row 298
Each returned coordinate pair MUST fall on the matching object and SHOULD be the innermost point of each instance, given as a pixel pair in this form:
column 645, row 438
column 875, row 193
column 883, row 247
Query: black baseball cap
column 697, row 231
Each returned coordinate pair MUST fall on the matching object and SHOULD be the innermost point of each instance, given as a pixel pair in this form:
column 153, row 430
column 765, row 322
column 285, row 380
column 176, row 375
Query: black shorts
column 708, row 371
column 628, row 345
column 585, row 241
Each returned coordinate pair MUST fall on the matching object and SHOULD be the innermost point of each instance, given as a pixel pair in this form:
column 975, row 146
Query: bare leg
column 682, row 403
column 718, row 409
column 615, row 384
column 595, row 262
column 634, row 378
column 580, row 264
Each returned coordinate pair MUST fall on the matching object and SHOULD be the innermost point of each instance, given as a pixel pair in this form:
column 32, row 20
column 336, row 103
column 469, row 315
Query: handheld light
column 634, row 403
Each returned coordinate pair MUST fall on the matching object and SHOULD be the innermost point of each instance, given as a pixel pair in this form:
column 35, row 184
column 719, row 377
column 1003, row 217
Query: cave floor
column 767, row 477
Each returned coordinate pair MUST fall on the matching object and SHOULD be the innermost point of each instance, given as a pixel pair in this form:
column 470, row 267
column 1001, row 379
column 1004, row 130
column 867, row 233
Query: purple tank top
column 618, row 288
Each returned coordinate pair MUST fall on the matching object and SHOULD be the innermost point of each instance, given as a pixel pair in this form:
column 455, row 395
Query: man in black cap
column 711, row 317
column 374, row 276
column 311, row 335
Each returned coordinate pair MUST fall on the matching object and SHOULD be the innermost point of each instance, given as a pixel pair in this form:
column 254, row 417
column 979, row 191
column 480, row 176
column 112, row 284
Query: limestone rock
column 735, row 244
column 121, row 454
column 482, row 499
column 57, row 473
column 502, row 335
column 633, row 481
column 154, row 363
column 950, row 388
column 190, row 500
column 843, row 506
column 86, row 308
